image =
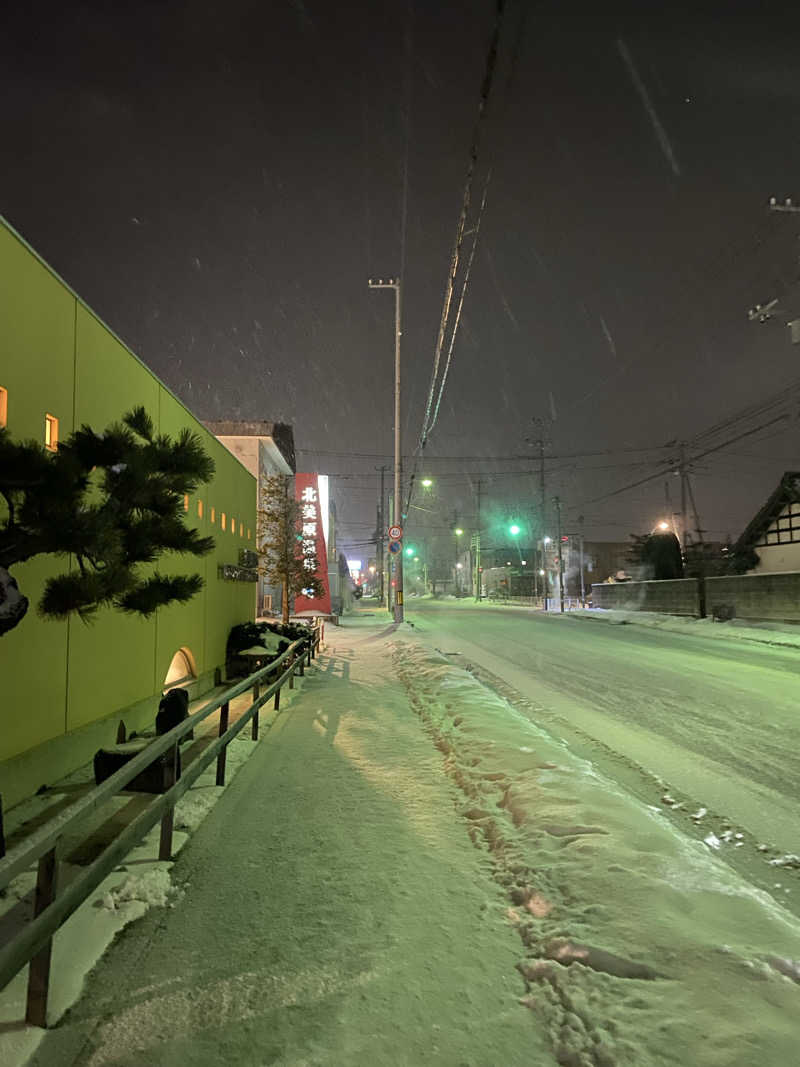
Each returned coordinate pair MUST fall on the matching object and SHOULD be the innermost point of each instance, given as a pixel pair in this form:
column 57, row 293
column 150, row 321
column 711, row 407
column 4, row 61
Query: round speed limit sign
column 395, row 533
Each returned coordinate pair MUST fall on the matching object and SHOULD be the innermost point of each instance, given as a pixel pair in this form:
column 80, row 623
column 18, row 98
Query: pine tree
column 282, row 561
column 111, row 502
column 656, row 555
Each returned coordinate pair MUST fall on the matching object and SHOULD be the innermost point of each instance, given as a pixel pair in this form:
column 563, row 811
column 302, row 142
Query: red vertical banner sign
column 312, row 544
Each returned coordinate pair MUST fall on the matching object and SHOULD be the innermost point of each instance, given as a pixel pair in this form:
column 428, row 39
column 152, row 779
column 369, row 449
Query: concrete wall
column 61, row 679
column 752, row 596
column 675, row 597
column 757, row 596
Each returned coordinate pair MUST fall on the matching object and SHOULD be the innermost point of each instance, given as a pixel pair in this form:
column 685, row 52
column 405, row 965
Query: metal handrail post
column 39, row 970
column 254, row 729
column 224, row 713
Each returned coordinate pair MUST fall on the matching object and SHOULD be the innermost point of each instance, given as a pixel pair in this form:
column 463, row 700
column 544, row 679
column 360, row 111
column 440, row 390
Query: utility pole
column 478, row 580
column 397, row 515
column 557, row 502
column 684, row 522
column 382, row 530
column 583, row 583
column 390, row 560
column 540, row 443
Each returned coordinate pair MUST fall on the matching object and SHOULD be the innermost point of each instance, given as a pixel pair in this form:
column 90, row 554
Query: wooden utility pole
column 557, row 502
column 478, row 579
column 541, row 443
column 684, row 523
column 382, row 529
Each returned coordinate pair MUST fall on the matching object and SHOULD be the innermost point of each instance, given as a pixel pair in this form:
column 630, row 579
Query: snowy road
column 716, row 721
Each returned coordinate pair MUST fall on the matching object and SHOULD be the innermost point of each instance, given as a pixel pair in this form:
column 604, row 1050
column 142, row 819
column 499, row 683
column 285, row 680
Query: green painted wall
column 57, row 357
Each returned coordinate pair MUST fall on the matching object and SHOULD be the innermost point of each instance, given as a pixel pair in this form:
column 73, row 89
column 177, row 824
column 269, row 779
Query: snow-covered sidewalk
column 333, row 909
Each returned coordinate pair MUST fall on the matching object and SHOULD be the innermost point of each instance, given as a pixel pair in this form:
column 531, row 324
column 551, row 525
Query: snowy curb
column 759, row 633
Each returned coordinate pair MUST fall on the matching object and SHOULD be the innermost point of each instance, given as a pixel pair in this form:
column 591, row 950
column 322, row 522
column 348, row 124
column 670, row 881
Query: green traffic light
column 514, row 529
column 409, row 551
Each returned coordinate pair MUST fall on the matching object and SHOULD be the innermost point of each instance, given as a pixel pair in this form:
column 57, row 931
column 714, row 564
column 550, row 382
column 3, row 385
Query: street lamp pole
column 397, row 517
column 557, row 502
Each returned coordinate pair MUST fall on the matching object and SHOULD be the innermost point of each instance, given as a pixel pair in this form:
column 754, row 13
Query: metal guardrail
column 33, row 944
column 571, row 603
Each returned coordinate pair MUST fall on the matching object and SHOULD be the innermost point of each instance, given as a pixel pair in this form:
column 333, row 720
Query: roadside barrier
column 33, row 944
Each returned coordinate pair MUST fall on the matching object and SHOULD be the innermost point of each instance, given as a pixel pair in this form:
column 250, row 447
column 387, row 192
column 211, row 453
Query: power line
column 475, row 233
column 490, row 459
column 486, row 87
column 691, row 460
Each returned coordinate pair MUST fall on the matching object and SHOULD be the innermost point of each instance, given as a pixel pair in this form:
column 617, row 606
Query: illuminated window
column 50, row 432
column 222, row 519
column 199, row 509
column 186, row 503
column 233, row 526
column 213, row 514
column 248, row 533
column 3, row 406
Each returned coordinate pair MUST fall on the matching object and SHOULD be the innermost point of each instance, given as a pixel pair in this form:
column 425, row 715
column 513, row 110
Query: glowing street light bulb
column 513, row 529
column 541, row 572
column 427, row 482
column 663, row 525
column 546, row 541
column 458, row 531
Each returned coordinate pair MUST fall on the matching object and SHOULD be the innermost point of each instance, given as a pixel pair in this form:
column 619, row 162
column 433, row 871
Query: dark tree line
column 658, row 556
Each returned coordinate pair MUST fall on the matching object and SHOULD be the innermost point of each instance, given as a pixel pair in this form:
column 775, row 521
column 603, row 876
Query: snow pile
column 638, row 944
column 789, row 860
column 765, row 633
column 154, row 889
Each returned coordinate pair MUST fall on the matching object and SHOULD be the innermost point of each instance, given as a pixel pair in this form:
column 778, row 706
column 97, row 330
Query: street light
column 458, row 531
column 513, row 529
column 427, row 482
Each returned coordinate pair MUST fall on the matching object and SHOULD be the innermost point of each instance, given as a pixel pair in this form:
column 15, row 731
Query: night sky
column 218, row 181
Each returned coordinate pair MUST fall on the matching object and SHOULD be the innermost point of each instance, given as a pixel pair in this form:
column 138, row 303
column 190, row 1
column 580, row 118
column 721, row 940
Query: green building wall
column 64, row 686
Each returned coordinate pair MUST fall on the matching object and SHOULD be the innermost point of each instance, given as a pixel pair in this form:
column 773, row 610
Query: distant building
column 514, row 571
column 774, row 531
column 265, row 449
column 601, row 560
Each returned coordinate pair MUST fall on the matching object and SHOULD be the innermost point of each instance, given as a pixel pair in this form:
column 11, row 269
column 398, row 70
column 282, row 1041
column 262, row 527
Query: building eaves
column 786, row 492
column 280, row 432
